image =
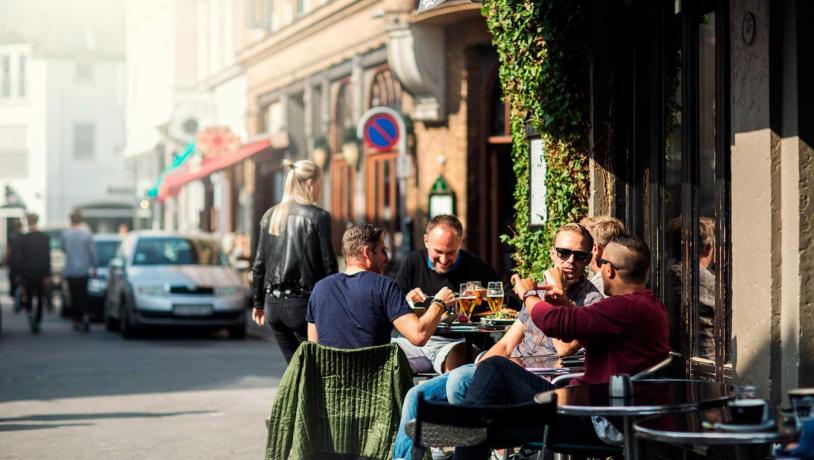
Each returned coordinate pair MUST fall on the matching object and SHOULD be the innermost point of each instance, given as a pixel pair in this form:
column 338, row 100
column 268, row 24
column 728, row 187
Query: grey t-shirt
column 535, row 342
column 80, row 252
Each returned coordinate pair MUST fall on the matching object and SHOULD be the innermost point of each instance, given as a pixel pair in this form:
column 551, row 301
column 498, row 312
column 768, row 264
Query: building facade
column 62, row 114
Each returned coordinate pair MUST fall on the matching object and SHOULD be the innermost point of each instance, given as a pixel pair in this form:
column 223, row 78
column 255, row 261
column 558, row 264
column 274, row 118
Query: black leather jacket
column 298, row 258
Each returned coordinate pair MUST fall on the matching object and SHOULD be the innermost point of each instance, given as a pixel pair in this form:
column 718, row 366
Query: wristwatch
column 531, row 293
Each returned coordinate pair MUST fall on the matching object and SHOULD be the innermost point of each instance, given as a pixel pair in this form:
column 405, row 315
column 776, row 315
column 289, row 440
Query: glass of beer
column 494, row 295
column 475, row 289
column 466, row 302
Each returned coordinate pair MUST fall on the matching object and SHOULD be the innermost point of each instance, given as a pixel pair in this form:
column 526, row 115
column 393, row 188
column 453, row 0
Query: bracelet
column 439, row 302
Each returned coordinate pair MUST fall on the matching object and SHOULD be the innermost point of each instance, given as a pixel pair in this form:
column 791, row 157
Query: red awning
column 173, row 183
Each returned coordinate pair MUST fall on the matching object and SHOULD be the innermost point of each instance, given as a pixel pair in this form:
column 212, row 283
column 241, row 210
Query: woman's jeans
column 450, row 387
column 286, row 317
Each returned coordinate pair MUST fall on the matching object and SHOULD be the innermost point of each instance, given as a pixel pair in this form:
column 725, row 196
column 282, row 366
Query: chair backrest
column 656, row 368
column 338, row 401
column 440, row 424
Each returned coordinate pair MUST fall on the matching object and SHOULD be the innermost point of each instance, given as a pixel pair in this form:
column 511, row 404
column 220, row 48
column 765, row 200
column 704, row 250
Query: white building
column 61, row 111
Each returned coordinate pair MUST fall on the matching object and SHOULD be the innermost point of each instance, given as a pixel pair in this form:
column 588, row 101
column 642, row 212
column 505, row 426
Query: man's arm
column 565, row 348
column 312, row 333
column 510, row 340
column 593, row 322
column 419, row 330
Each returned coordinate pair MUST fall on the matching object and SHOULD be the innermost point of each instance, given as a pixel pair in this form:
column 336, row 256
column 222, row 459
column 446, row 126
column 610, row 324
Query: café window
column 694, row 275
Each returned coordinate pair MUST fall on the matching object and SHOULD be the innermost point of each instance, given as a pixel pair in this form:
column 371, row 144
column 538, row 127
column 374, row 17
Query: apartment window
column 261, row 14
column 84, row 72
column 23, row 90
column 83, row 141
column 5, row 84
column 13, row 152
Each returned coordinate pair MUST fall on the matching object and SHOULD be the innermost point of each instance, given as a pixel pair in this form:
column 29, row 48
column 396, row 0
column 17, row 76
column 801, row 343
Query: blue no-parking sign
column 381, row 132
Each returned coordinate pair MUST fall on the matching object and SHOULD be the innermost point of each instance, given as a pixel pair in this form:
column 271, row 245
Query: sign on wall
column 537, row 189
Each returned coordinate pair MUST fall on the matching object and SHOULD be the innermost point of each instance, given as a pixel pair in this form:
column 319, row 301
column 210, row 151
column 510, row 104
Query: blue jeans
column 434, row 389
column 451, row 387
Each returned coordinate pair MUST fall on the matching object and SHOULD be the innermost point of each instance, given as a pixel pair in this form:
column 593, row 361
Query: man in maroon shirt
column 625, row 333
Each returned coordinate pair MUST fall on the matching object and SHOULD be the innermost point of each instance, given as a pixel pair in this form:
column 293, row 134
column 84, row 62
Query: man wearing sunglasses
column 524, row 343
column 624, row 333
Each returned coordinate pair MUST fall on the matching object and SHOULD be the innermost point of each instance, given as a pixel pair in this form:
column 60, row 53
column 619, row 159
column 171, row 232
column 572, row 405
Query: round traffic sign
column 381, row 132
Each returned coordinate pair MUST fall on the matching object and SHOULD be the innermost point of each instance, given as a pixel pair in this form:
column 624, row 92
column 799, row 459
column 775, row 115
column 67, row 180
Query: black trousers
column 78, row 290
column 34, row 288
column 499, row 381
column 286, row 317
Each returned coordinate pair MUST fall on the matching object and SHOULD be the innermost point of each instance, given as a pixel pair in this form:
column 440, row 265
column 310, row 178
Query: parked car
column 106, row 247
column 166, row 279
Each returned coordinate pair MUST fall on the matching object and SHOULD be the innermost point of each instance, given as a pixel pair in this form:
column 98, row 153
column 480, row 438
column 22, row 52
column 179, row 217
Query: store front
column 700, row 139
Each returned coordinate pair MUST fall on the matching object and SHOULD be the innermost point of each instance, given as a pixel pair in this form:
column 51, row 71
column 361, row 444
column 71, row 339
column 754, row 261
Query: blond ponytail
column 300, row 181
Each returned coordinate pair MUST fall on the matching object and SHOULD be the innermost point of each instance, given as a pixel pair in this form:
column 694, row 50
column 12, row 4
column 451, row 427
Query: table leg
column 631, row 449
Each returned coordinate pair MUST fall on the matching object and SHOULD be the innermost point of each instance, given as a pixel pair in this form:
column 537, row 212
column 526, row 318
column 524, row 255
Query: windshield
column 105, row 250
column 178, row 251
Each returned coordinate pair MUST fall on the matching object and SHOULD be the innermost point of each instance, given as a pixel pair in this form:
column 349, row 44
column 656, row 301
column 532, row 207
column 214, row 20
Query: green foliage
column 543, row 51
column 321, row 142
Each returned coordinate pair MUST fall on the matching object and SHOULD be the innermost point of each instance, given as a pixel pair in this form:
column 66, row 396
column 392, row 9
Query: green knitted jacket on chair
column 332, row 400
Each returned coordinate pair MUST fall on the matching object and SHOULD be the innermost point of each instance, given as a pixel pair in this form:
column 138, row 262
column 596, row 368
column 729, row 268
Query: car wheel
column 126, row 326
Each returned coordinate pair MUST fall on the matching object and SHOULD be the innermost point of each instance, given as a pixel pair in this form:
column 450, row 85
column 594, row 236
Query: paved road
column 177, row 395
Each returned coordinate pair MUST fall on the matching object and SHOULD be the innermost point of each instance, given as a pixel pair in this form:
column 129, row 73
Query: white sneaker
column 438, row 454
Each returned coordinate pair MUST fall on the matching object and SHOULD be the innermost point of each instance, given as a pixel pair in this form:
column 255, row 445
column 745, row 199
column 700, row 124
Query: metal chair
column 444, row 425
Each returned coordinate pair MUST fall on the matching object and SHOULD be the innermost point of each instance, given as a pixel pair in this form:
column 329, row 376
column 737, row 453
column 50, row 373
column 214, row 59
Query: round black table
column 698, row 428
column 650, row 397
column 468, row 331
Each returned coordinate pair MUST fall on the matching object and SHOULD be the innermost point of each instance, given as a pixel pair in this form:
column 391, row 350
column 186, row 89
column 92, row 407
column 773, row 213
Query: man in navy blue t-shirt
column 359, row 307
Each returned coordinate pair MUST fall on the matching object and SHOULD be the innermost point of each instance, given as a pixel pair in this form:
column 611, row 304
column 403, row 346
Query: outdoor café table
column 468, row 331
column 650, row 397
column 698, row 428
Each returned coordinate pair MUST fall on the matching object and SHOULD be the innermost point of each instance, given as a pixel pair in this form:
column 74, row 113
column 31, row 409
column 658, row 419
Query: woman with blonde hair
column 293, row 252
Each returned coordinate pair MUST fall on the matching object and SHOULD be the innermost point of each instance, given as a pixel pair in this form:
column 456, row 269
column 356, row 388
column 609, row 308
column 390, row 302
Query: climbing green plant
column 543, row 51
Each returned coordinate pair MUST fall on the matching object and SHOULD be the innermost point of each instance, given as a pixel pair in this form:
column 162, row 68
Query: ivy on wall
column 543, row 51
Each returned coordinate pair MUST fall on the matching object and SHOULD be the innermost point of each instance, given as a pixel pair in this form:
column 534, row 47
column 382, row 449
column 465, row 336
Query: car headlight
column 159, row 291
column 97, row 285
column 226, row 291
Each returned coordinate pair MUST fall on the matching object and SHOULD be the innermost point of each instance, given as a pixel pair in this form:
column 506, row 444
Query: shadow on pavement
column 103, row 415
column 37, row 426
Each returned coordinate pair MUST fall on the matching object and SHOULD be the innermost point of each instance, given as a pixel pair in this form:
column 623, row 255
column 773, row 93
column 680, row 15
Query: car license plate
column 192, row 310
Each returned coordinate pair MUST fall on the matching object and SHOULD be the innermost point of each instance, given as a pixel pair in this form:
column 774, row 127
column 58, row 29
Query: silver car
column 163, row 279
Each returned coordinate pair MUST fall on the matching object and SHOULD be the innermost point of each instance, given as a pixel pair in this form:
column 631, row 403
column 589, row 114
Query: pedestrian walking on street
column 80, row 264
column 294, row 251
column 13, row 259
column 36, row 271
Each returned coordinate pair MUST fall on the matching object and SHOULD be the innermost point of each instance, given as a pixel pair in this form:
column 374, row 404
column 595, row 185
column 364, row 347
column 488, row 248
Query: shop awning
column 442, row 12
column 173, row 183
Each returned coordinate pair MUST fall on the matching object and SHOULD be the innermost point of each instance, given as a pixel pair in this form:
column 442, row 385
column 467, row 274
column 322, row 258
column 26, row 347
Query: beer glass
column 466, row 302
column 494, row 295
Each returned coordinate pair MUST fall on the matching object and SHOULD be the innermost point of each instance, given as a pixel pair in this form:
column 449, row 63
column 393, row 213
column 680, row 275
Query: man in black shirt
column 424, row 272
column 36, row 268
column 14, row 261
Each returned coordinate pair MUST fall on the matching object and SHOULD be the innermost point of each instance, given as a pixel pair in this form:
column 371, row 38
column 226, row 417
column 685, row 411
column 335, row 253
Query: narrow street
column 168, row 395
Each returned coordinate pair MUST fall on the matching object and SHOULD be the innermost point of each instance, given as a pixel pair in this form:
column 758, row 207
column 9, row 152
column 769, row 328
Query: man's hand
column 521, row 285
column 259, row 316
column 416, row 295
column 445, row 295
column 555, row 296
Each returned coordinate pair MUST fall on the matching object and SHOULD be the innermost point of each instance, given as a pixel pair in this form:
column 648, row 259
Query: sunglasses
column 600, row 262
column 565, row 254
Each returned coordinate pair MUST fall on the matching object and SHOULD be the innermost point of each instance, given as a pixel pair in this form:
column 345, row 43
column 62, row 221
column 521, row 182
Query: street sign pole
column 403, row 159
